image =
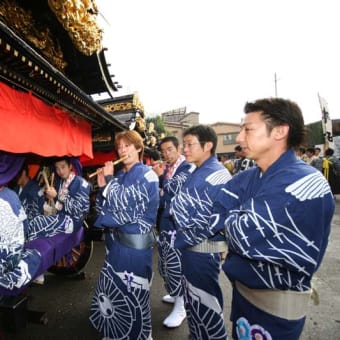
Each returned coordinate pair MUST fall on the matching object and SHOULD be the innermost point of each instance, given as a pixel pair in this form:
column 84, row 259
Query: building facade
column 226, row 137
column 176, row 121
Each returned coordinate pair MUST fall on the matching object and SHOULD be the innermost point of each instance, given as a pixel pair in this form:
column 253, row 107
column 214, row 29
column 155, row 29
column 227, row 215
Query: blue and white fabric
column 277, row 227
column 121, row 303
column 17, row 265
column 169, row 257
column 191, row 209
column 75, row 206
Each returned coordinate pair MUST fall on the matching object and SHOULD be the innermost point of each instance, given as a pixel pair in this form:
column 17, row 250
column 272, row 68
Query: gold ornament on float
column 79, row 19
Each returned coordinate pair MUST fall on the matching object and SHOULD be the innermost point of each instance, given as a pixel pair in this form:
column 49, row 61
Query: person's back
column 245, row 164
column 228, row 163
column 331, row 170
column 17, row 265
column 12, row 219
column 30, row 194
column 242, row 162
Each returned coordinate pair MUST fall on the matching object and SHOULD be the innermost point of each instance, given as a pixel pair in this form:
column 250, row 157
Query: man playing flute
column 127, row 204
column 171, row 178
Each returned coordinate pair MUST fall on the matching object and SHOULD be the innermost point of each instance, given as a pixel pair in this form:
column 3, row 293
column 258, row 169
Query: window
column 230, row 138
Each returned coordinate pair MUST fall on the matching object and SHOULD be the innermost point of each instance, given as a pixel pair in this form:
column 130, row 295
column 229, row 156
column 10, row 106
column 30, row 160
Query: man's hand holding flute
column 107, row 170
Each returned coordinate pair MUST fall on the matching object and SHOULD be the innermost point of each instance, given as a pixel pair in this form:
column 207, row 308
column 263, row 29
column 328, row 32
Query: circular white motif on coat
column 105, row 305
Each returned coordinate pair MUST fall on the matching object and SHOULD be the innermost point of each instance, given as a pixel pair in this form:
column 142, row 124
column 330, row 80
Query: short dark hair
column 204, row 133
column 24, row 168
column 329, row 152
column 311, row 150
column 67, row 159
column 171, row 139
column 152, row 153
column 279, row 111
column 70, row 160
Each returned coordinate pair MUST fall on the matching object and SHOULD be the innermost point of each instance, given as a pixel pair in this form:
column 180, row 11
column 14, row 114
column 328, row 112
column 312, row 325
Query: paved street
column 67, row 301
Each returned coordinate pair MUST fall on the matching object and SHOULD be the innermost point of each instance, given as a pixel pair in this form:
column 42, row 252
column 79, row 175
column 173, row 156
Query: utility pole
column 275, row 82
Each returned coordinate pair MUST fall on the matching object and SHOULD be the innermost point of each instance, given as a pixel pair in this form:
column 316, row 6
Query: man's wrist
column 59, row 205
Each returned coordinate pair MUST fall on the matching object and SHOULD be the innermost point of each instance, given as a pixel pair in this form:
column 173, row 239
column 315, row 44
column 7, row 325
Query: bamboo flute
column 114, row 163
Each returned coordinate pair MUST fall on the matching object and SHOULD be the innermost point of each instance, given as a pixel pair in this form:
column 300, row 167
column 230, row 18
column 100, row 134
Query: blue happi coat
column 75, row 206
column 169, row 258
column 129, row 201
column 191, row 209
column 192, row 206
column 77, row 201
column 121, row 303
column 32, row 199
column 17, row 265
column 171, row 186
column 277, row 224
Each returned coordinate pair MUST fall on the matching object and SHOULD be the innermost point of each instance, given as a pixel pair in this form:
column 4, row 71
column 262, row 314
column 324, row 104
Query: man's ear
column 281, row 132
column 208, row 146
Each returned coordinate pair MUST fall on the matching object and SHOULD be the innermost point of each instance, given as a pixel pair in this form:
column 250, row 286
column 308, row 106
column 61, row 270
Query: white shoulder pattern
column 219, row 177
column 309, row 187
column 151, row 176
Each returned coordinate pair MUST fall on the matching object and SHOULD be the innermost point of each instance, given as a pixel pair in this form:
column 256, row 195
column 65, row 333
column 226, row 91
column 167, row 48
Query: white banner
column 326, row 124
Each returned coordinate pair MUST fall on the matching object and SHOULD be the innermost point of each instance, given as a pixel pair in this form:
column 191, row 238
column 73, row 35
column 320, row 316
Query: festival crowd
column 245, row 217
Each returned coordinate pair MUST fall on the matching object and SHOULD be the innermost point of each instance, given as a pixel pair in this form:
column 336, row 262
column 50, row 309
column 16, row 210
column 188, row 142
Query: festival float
column 52, row 64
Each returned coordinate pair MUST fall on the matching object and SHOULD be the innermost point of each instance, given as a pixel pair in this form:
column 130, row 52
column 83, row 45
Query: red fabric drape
column 99, row 158
column 29, row 125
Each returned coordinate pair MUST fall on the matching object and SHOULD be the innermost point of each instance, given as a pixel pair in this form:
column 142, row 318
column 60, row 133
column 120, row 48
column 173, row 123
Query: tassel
column 325, row 165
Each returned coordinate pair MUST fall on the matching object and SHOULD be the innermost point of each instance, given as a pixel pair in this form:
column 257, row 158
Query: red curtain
column 28, row 125
column 99, row 158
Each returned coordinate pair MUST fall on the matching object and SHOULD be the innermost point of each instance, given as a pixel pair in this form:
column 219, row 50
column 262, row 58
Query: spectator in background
column 317, row 152
column 241, row 162
column 310, row 155
column 301, row 153
column 222, row 158
column 331, row 170
column 317, row 161
column 228, row 163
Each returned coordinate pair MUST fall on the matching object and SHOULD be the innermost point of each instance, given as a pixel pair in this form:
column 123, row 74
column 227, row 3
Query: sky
column 213, row 56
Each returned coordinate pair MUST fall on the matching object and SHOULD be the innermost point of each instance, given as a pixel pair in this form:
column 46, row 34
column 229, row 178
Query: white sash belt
column 286, row 304
column 208, row 246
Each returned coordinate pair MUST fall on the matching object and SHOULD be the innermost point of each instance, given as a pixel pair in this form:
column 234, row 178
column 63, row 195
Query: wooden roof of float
column 41, row 52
